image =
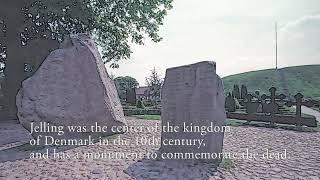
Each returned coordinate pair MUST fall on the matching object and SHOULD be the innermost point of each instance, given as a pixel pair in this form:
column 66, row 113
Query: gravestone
column 71, row 87
column 298, row 103
column 193, row 94
column 272, row 107
column 251, row 104
column 257, row 94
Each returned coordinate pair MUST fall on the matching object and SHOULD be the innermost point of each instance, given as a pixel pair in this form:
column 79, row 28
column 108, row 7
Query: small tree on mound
column 140, row 104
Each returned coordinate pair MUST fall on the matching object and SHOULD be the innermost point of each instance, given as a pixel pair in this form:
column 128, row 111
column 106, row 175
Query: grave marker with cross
column 271, row 110
column 273, row 106
column 298, row 103
column 251, row 104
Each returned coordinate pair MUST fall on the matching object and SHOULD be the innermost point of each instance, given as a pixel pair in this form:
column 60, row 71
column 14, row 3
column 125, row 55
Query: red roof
column 144, row 90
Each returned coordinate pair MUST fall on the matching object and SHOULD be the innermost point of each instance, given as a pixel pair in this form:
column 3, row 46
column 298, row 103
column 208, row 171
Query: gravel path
column 302, row 162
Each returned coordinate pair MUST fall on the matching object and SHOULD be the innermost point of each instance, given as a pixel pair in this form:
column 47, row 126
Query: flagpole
column 276, row 34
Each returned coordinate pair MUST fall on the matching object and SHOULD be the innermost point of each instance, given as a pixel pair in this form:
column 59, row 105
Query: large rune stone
column 71, row 88
column 193, row 96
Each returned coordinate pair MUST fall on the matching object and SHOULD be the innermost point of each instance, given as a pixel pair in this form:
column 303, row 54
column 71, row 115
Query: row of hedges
column 129, row 112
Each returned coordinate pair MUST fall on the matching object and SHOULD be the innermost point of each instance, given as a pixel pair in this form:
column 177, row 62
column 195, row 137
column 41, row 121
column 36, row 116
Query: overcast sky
column 238, row 34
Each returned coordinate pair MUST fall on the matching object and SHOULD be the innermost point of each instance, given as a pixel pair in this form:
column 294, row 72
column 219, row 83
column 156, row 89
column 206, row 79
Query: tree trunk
column 17, row 55
column 14, row 75
column 13, row 69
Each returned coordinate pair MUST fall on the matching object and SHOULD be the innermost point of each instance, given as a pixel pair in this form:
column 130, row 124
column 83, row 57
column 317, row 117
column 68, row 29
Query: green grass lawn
column 227, row 163
column 149, row 117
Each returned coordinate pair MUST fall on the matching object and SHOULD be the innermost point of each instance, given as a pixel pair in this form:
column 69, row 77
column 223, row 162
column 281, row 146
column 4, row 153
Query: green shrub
column 129, row 112
column 147, row 103
column 238, row 105
column 140, row 104
column 227, row 164
column 148, row 117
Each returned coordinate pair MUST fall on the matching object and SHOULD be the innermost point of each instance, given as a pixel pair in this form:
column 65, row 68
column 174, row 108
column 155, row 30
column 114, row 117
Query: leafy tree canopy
column 114, row 23
column 155, row 82
column 30, row 29
column 125, row 83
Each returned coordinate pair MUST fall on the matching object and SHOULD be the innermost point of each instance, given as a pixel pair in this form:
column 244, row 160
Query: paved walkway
column 11, row 133
column 310, row 111
column 303, row 160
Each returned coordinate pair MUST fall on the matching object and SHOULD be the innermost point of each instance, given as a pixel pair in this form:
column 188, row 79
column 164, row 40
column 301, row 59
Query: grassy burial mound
column 290, row 80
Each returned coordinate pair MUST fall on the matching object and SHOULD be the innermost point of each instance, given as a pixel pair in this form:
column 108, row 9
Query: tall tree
column 33, row 28
column 124, row 85
column 244, row 92
column 236, row 91
column 155, row 82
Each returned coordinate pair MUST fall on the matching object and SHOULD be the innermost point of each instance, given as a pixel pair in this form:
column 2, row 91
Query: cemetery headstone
column 257, row 93
column 271, row 107
column 251, row 104
column 274, row 109
column 298, row 103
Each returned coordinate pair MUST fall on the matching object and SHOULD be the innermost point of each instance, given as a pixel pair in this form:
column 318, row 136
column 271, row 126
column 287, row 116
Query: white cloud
column 237, row 34
column 302, row 27
column 299, row 41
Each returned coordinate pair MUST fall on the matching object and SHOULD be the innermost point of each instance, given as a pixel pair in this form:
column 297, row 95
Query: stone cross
column 298, row 103
column 251, row 105
column 273, row 106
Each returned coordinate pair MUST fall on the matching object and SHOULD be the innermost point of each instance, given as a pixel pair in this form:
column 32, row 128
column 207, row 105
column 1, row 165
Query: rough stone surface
column 72, row 87
column 193, row 94
column 302, row 161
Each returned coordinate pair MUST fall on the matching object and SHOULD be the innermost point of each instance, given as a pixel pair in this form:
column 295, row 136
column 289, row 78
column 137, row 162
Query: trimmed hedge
column 129, row 112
